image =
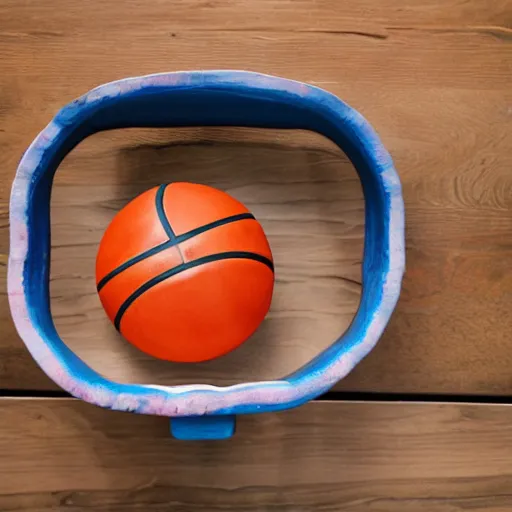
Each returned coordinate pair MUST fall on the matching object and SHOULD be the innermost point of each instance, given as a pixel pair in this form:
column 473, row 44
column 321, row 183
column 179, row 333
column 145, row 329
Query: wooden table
column 357, row 457
column 434, row 77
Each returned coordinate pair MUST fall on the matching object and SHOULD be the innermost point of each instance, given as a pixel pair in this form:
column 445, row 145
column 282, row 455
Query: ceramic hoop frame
column 203, row 98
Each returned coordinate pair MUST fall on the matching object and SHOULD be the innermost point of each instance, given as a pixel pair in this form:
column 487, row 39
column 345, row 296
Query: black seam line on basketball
column 159, row 200
column 171, row 243
column 166, row 223
column 241, row 255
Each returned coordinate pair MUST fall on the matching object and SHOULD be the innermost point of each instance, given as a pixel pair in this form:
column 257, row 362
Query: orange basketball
column 185, row 272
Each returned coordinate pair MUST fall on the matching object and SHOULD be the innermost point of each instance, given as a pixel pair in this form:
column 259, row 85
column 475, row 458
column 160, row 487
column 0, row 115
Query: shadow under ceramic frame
column 299, row 185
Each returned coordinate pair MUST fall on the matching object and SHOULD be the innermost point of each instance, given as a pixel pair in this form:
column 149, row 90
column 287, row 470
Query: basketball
column 185, row 272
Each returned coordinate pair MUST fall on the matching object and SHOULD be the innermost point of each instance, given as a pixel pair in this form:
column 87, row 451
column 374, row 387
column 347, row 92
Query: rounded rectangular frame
column 203, row 98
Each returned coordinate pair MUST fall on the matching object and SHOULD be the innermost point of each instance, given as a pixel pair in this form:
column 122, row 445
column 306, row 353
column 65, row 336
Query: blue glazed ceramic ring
column 203, row 98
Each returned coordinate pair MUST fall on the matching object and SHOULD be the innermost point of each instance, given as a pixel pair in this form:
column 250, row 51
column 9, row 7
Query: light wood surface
column 357, row 457
column 433, row 77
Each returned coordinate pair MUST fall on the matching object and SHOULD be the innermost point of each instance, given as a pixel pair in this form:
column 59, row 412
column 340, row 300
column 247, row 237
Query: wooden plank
column 324, row 456
column 447, row 126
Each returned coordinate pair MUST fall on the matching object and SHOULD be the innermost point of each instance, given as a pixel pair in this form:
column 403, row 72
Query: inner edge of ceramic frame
column 74, row 376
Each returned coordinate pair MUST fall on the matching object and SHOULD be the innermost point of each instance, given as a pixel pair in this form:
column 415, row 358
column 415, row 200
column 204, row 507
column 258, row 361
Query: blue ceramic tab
column 196, row 428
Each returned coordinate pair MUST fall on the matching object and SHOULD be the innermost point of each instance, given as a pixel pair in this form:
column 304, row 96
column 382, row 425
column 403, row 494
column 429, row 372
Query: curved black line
column 132, row 261
column 161, row 211
column 170, row 243
column 185, row 266
column 212, row 225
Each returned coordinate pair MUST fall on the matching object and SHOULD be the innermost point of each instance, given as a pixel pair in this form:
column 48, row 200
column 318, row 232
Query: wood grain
column 309, row 202
column 434, row 77
column 371, row 457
